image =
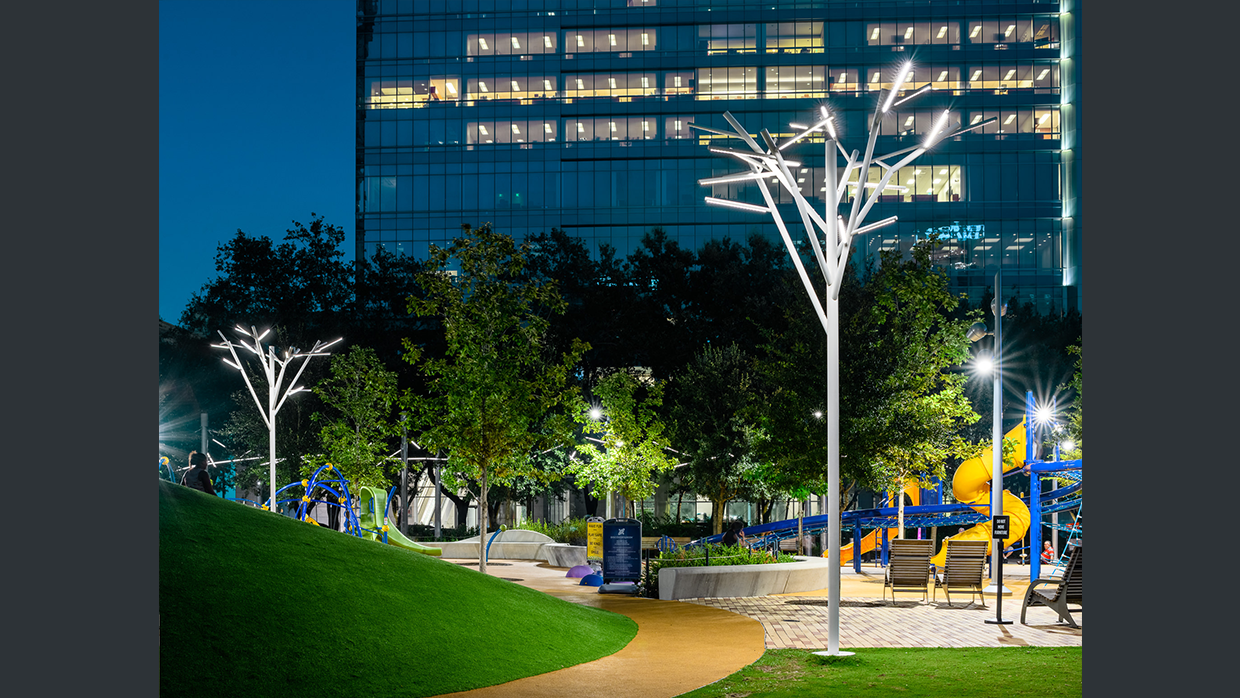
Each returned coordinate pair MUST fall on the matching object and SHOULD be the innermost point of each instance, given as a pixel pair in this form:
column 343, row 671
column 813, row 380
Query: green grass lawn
column 255, row 604
column 984, row 672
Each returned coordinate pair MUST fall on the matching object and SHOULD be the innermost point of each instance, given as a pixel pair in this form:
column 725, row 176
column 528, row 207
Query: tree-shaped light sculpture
column 273, row 368
column 767, row 162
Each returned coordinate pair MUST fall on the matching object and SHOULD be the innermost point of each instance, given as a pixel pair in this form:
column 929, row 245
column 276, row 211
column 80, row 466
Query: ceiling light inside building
column 1009, row 75
column 909, row 121
column 1044, row 118
column 976, row 28
column 874, row 78
column 482, row 86
column 580, row 127
column 547, row 128
column 844, row 76
column 1010, row 119
column 976, row 118
column 645, row 81
column 611, row 82
column 678, row 124
column 645, row 39
column 515, row 86
column 874, row 34
column 676, row 81
column 451, row 88
column 937, row 180
column 976, row 74
column 1043, row 73
column 613, row 126
column 911, row 181
column 917, row 171
column 515, row 129
column 483, row 43
column 483, row 129
column 908, row 33
column 943, row 171
column 547, row 85
column 645, row 125
column 515, row 43
column 546, row 41
column 942, row 76
column 942, row 32
column 580, row 41
column 580, row 85
column 1008, row 32
column 611, row 39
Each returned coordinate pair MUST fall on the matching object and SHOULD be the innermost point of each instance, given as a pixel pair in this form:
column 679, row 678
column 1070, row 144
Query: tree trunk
column 483, row 515
column 718, row 506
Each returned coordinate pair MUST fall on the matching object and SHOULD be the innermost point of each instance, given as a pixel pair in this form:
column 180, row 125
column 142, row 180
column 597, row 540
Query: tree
column 714, row 408
column 1076, row 413
column 632, row 439
column 360, row 422
column 303, row 284
column 496, row 396
column 899, row 345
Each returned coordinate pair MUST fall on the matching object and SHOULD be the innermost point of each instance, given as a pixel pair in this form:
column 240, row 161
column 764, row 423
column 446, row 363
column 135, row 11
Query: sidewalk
column 683, row 645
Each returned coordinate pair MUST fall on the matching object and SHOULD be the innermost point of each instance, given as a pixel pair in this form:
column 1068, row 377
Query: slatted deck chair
column 1068, row 589
column 908, row 567
column 963, row 569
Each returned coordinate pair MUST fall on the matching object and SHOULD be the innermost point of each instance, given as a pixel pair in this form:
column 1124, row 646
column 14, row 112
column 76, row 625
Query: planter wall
column 806, row 574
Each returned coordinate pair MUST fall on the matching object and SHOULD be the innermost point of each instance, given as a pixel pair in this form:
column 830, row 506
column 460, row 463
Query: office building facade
column 576, row 114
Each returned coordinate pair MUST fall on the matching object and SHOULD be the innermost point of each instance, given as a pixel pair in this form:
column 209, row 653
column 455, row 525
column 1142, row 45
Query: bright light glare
column 1043, row 414
column 1067, row 445
column 984, row 365
column 596, row 413
column 818, row 414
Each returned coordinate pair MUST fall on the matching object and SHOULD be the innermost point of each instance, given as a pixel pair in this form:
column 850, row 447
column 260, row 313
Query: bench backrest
column 965, row 562
column 909, row 561
column 1073, row 584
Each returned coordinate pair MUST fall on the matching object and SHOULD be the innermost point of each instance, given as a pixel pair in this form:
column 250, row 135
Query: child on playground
column 734, row 535
column 1048, row 552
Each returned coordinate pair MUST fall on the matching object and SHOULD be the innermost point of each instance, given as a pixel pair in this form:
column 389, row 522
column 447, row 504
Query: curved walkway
column 678, row 646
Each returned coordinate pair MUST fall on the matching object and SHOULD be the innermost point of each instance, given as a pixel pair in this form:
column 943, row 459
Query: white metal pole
column 271, row 425
column 831, row 218
column 996, row 482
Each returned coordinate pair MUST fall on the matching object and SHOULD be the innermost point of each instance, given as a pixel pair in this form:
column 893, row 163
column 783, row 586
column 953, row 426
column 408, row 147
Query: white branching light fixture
column 831, row 238
column 274, row 367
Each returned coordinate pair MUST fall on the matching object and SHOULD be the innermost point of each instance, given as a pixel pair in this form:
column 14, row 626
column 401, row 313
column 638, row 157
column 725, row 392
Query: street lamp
column 270, row 361
column 995, row 368
column 766, row 162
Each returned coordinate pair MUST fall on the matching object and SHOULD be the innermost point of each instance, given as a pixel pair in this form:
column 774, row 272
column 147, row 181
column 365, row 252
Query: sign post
column 594, row 538
column 999, row 531
column 622, row 556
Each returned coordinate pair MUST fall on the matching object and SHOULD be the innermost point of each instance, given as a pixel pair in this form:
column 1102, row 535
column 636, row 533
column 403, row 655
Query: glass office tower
column 533, row 114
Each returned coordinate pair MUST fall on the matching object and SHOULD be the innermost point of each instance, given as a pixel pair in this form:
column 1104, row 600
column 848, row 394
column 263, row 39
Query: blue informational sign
column 622, row 550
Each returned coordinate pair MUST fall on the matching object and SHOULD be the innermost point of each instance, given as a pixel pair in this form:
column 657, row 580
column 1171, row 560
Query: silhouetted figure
column 197, row 477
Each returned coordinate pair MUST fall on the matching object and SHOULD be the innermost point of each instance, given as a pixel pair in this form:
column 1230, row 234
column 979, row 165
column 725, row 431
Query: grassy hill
column 255, row 604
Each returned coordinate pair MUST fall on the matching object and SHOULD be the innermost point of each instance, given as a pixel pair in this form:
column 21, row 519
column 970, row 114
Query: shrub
column 701, row 556
column 570, row 531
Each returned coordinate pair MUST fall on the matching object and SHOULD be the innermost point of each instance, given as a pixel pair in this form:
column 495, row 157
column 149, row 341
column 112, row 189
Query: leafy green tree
column 359, row 423
column 899, row 346
column 714, row 410
column 1076, row 413
column 632, row 436
column 303, row 284
column 496, row 396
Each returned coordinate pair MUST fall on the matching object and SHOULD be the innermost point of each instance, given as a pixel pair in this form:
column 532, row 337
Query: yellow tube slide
column 871, row 540
column 971, row 485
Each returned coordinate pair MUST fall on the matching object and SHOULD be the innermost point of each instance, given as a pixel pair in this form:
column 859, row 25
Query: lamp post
column 276, row 394
column 766, row 162
column 976, row 332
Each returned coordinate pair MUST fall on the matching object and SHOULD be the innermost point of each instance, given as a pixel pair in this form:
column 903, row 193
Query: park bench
column 1068, row 589
column 908, row 567
column 963, row 568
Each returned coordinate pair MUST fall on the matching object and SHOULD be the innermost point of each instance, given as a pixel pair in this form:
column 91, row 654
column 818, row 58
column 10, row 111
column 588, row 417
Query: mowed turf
column 256, row 604
column 972, row 672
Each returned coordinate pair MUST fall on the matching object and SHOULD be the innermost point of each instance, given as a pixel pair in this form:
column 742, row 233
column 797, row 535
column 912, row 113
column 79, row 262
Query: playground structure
column 368, row 520
column 971, row 487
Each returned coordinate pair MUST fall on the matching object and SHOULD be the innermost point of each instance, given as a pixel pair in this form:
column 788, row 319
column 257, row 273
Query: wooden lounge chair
column 963, row 569
column 1068, row 589
column 908, row 567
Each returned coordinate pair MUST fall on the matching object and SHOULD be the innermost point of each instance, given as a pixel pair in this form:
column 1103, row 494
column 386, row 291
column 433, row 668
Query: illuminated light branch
column 924, row 88
column 745, row 177
column 717, row 132
column 874, row 226
column 737, row 204
column 897, row 85
column 938, row 126
column 816, row 127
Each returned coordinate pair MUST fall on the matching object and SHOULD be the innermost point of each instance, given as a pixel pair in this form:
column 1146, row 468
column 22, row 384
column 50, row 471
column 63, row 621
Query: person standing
column 196, row 477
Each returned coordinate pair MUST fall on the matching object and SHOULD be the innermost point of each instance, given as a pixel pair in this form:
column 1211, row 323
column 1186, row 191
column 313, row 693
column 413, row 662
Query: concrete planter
column 563, row 554
column 806, row 574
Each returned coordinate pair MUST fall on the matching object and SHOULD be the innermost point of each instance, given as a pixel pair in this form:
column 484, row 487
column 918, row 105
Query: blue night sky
column 256, row 128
